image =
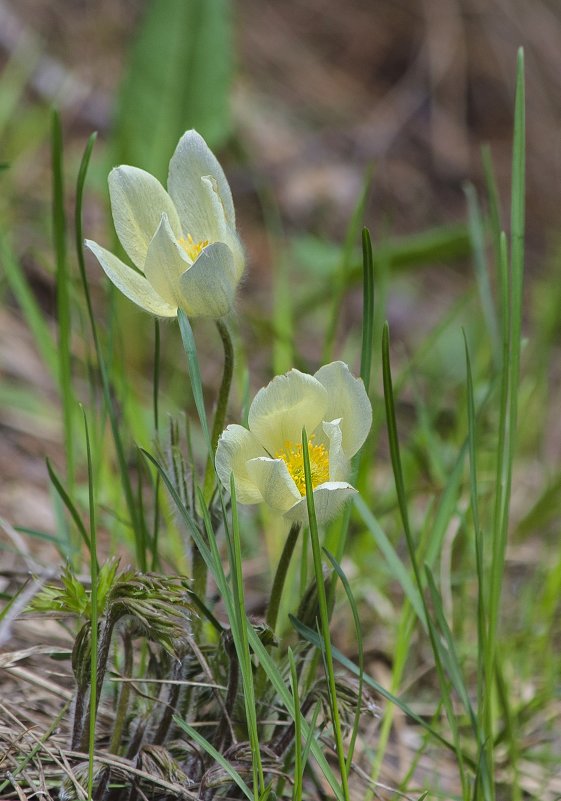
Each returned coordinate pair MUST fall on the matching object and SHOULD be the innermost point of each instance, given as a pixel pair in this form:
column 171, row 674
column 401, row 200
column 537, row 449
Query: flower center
column 192, row 248
column 293, row 457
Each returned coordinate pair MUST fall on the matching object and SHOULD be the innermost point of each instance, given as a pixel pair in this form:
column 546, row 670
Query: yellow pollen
column 293, row 457
column 191, row 248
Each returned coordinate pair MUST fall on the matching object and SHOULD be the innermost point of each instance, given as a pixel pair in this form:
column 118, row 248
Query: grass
column 441, row 680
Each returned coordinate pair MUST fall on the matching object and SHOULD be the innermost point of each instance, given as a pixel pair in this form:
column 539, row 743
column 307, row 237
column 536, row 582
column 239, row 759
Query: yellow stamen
column 293, row 457
column 191, row 248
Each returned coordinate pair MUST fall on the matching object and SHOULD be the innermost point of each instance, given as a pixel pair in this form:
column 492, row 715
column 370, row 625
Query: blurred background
column 301, row 100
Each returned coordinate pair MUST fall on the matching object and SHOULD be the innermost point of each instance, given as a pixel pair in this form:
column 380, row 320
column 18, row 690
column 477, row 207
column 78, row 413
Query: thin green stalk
column 340, row 541
column 280, row 576
column 481, row 612
column 198, row 564
column 93, row 613
column 155, row 406
column 62, row 298
column 342, row 277
column 324, row 617
column 105, row 380
column 211, row 554
column 477, row 237
column 221, row 405
column 512, row 321
column 298, row 763
column 367, row 309
column 360, row 647
column 244, row 653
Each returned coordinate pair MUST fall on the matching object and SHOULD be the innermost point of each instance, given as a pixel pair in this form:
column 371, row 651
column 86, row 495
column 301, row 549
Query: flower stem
column 280, row 576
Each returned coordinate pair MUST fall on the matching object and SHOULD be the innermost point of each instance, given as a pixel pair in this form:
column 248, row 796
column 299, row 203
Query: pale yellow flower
column 183, row 241
column 267, row 460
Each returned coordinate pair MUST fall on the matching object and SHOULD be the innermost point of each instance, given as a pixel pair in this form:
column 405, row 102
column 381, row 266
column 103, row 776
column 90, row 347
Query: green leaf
column 178, row 77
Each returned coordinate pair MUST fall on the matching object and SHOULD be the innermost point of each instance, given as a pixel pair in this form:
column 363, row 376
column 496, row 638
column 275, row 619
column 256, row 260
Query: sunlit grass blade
column 360, row 648
column 478, row 541
column 63, row 298
column 492, row 200
column 216, row 755
column 477, row 239
column 511, row 298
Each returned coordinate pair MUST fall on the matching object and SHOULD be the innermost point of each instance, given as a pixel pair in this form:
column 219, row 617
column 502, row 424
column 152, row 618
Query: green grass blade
column 511, row 294
column 178, row 77
column 395, row 454
column 367, row 309
column 396, row 566
column 194, row 372
column 67, row 501
column 298, row 761
column 340, row 280
column 312, row 637
column 216, row 755
column 21, row 290
column 279, row 683
column 493, row 201
column 324, row 615
column 94, row 611
column 478, row 540
column 360, row 647
column 439, row 245
column 245, row 656
column 79, row 235
column 477, row 239
column 63, row 298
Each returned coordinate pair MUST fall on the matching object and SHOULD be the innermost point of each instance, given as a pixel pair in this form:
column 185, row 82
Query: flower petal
column 280, row 410
column 236, row 447
column 219, row 230
column 348, row 400
column 165, row 262
column 329, row 498
column 338, row 462
column 138, row 201
column 191, row 162
column 275, row 483
column 131, row 283
column 208, row 288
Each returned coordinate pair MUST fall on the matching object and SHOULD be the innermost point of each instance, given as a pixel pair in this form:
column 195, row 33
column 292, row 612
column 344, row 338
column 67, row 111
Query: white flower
column 183, row 241
column 267, row 461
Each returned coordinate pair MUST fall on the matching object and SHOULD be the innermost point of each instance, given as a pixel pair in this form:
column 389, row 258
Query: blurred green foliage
column 178, row 77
